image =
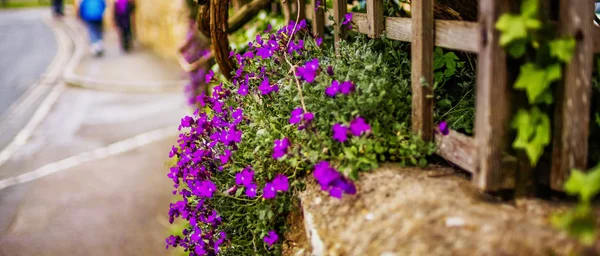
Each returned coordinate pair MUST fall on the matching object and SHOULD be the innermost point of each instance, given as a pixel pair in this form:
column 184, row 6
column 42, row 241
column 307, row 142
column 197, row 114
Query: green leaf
column 533, row 133
column 512, row 27
column 529, row 8
column 562, row 49
column 584, row 185
column 598, row 118
column 535, row 80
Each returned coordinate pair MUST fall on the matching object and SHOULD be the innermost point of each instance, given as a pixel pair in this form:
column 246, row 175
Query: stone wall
column 160, row 24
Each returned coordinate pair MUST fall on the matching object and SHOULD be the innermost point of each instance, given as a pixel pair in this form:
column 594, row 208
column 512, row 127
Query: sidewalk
column 91, row 180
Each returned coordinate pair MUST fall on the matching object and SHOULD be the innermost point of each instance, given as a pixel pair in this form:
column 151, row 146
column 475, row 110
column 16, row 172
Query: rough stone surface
column 406, row 211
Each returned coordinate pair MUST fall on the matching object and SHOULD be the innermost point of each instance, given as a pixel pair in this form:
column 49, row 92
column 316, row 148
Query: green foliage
column 542, row 67
column 533, row 132
column 580, row 222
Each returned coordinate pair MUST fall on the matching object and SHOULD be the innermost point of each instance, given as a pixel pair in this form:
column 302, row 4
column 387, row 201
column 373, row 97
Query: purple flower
column 296, row 47
column 324, row 174
column 206, row 189
column 243, row 90
column 308, row 72
column 244, row 177
column 348, row 20
column 271, row 238
column 269, row 191
column 219, row 241
column 296, row 116
column 266, row 88
column 248, row 55
column 317, row 5
column 264, row 52
column 333, row 89
column 208, row 77
column 251, row 190
column 340, row 132
column 347, row 87
column 358, row 126
column 280, row 183
column 443, row 127
column 225, row 157
column 330, row 70
column 319, row 40
column 308, row 116
column 280, row 148
column 331, row 181
column 237, row 115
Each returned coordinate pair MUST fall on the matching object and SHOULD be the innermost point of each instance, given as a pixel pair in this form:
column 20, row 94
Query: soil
column 434, row 211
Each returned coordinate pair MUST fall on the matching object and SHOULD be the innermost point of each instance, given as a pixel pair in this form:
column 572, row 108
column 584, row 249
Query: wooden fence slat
column 492, row 99
column 571, row 122
column 450, row 34
column 422, row 68
column 375, row 18
column 319, row 18
column 458, row 149
column 339, row 11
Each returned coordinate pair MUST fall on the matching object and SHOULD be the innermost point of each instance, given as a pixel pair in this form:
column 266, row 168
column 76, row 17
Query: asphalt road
column 27, row 47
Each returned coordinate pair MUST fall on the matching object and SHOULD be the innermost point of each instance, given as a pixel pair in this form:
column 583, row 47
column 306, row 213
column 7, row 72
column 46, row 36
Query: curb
column 75, row 80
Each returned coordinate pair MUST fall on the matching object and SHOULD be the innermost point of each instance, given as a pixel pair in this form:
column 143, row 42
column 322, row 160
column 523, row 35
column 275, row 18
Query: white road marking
column 99, row 153
column 52, row 73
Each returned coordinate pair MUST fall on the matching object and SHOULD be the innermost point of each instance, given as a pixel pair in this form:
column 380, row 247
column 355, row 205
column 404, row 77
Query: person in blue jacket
column 92, row 13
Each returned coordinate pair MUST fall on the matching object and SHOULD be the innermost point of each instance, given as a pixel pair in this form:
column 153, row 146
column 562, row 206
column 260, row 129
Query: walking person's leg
column 95, row 33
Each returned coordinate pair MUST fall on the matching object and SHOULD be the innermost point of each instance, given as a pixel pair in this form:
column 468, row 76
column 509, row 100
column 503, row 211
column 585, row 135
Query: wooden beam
column 375, row 18
column 339, row 12
column 571, row 120
column 492, row 99
column 455, row 35
column 422, row 44
column 458, row 149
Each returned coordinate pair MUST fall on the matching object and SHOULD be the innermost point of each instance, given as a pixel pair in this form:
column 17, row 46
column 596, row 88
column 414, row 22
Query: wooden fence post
column 571, row 122
column 375, row 18
column 319, row 18
column 492, row 99
column 339, row 11
column 422, row 67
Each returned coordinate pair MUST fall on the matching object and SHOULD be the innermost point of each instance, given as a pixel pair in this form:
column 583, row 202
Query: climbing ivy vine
column 527, row 38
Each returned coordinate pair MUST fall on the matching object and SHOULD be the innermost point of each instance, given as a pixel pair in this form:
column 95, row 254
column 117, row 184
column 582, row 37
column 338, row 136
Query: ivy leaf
column 535, row 80
column 512, row 27
column 533, row 133
column 529, row 8
column 562, row 49
column 584, row 185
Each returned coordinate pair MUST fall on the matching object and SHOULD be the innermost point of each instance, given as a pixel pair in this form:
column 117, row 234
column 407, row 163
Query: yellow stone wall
column 160, row 24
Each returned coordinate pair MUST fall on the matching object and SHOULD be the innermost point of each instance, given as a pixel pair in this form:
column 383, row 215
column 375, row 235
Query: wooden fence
column 482, row 154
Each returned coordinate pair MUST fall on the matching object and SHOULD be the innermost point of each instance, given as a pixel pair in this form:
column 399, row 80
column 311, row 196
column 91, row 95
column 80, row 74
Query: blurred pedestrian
column 123, row 16
column 92, row 13
column 58, row 8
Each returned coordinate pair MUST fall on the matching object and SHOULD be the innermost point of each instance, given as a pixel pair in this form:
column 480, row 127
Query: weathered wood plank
column 375, row 18
column 422, row 44
column 458, row 149
column 319, row 17
column 456, row 35
column 339, row 11
column 492, row 99
column 571, row 122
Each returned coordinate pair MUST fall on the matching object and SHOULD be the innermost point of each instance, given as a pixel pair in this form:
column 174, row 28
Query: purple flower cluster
column 303, row 119
column 309, row 71
column 208, row 142
column 336, row 87
column 332, row 181
column 357, row 127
